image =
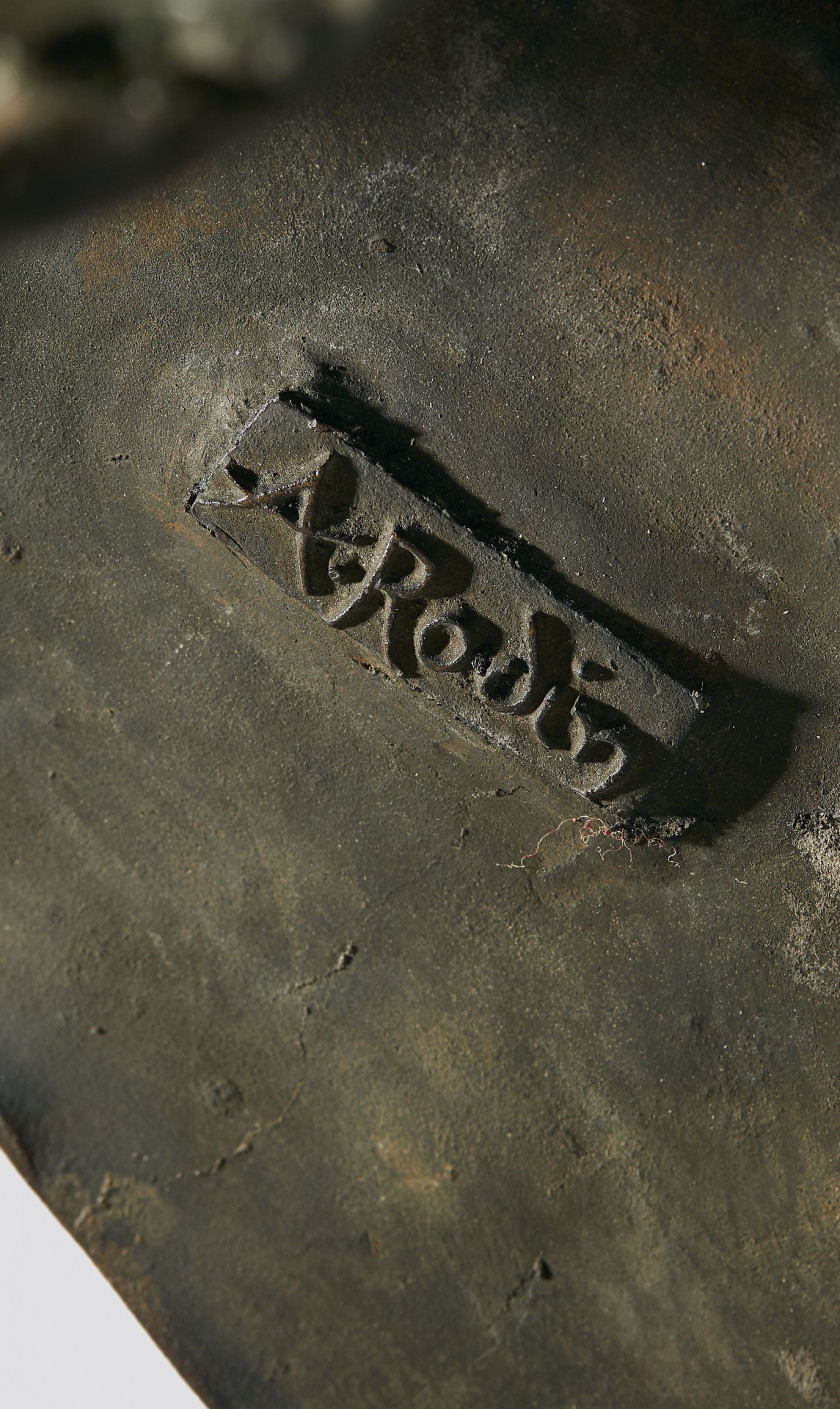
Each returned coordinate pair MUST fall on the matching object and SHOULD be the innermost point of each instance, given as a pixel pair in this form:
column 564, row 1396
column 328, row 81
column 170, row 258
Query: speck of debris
column 638, row 830
column 816, row 836
column 221, row 1095
column 802, row 1372
column 539, row 1271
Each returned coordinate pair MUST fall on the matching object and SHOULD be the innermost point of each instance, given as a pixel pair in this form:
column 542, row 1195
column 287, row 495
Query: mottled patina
column 374, row 1068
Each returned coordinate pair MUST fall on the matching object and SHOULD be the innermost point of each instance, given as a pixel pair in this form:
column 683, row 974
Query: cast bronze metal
column 372, row 1062
column 443, row 610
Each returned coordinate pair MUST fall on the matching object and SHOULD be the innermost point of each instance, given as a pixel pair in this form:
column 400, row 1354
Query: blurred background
column 97, row 95
column 67, row 1338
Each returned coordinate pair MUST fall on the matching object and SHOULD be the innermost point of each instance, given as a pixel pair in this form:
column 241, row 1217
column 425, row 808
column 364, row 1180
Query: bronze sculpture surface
column 373, row 1063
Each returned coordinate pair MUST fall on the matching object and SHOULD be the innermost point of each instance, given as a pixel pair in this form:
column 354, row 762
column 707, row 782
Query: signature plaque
column 446, row 612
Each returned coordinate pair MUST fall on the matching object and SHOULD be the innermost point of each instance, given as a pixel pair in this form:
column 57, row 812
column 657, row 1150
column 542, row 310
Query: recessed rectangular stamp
column 448, row 613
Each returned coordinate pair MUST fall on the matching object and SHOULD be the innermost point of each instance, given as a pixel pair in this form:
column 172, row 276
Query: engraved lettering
column 519, row 683
column 395, row 581
column 449, row 637
column 505, row 654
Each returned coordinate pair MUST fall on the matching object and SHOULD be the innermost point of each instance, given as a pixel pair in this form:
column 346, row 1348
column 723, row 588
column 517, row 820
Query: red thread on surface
column 589, row 833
